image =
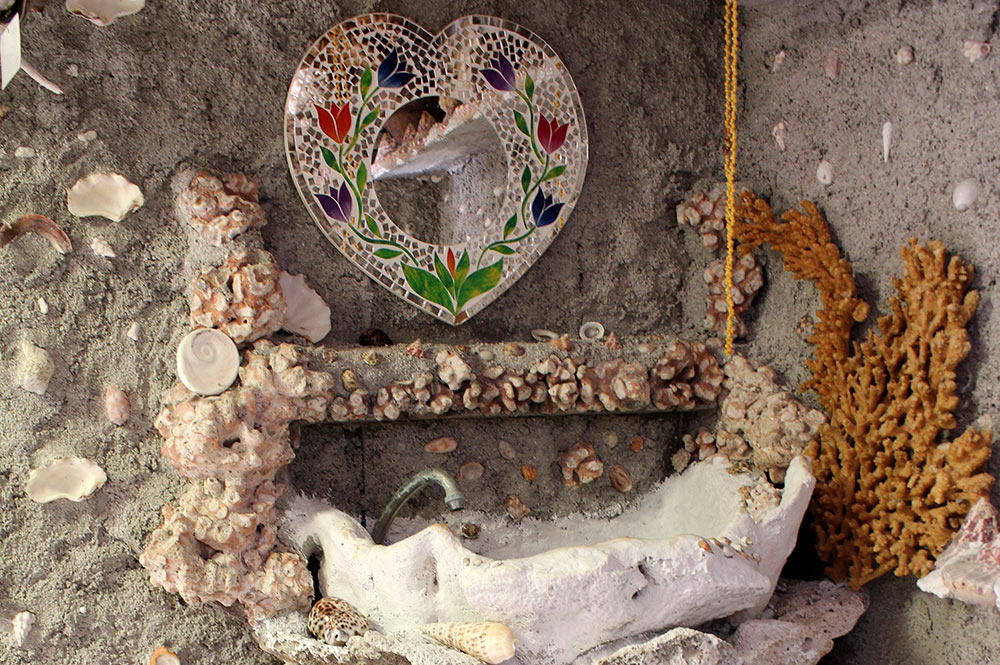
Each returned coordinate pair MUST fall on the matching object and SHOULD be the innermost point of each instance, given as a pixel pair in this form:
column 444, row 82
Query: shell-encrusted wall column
column 218, row 542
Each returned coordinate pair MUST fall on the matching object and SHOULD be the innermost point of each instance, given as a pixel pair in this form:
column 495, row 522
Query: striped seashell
column 489, row 642
column 334, row 621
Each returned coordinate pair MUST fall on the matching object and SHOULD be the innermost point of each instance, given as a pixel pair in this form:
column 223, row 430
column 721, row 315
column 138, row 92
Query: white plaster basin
column 565, row 586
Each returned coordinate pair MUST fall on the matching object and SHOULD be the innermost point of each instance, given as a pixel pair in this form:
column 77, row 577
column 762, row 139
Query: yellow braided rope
column 731, row 54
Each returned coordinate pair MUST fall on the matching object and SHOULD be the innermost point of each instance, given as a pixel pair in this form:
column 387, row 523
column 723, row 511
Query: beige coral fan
column 774, row 424
column 748, row 277
column 218, row 543
column 888, row 495
column 221, row 208
column 242, row 297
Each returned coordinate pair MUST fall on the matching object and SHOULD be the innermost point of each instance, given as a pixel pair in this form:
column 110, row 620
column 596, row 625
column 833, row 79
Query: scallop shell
column 105, row 194
column 307, row 314
column 103, row 12
column 116, row 405
column 591, row 331
column 163, row 656
column 443, row 444
column 35, row 368
column 207, row 361
column 334, row 621
column 72, row 478
column 491, row 643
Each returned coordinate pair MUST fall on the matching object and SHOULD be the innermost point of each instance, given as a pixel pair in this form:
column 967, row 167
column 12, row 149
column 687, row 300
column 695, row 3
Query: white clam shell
column 100, row 246
column 21, row 627
column 591, row 331
column 543, row 335
column 103, row 12
column 73, row 478
column 307, row 314
column 104, row 194
column 35, row 368
column 965, row 194
column 824, row 173
column 207, row 361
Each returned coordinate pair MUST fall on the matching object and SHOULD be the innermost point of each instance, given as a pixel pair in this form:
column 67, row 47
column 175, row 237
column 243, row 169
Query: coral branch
column 888, row 495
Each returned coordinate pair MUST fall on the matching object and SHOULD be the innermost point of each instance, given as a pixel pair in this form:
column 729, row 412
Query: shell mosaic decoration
column 359, row 73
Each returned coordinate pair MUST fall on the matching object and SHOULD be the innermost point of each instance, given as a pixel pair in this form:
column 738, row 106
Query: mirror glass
column 440, row 171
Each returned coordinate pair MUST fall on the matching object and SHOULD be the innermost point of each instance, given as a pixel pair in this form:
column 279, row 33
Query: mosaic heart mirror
column 441, row 165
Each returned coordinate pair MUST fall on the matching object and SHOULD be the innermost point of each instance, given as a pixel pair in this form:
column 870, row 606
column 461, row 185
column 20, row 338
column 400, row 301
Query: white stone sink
column 569, row 588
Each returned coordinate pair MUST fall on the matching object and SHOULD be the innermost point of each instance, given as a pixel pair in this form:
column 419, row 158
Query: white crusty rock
column 307, row 314
column 34, row 368
column 72, row 478
column 687, row 553
column 680, row 646
column 104, row 194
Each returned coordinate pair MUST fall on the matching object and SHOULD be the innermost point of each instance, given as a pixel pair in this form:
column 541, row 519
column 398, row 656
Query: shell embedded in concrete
column 72, row 478
column 307, row 314
column 207, row 361
column 116, row 405
column 104, row 194
column 35, row 368
column 163, row 656
column 103, row 12
column 334, row 621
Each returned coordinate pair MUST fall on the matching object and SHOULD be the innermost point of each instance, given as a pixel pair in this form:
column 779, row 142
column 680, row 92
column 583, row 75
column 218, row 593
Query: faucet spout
column 453, row 498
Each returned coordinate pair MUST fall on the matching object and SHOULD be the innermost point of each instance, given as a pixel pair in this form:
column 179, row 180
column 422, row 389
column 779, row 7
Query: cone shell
column 489, row 642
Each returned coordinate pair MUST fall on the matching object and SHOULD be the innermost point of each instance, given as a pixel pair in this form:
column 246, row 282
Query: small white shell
column 491, row 643
column 24, row 152
column 307, row 314
column 116, row 405
column 133, row 331
column 824, row 173
column 101, row 247
column 43, row 306
column 106, row 194
column 779, row 60
column 207, row 361
column 543, row 335
column 904, row 55
column 72, row 478
column 965, row 194
column 778, row 132
column 886, row 140
column 35, row 368
column 103, row 12
column 21, row 627
column 591, row 331
column 975, row 51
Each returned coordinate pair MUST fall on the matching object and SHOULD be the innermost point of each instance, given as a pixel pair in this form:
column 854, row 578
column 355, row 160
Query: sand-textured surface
column 192, row 84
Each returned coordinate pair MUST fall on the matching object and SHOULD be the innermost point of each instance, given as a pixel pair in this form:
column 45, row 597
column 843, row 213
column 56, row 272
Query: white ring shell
column 591, row 331
column 207, row 361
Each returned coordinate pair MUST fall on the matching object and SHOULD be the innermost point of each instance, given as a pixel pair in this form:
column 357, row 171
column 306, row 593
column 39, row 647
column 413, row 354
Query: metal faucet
column 453, row 498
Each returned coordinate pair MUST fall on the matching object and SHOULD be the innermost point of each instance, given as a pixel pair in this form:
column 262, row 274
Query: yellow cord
column 731, row 54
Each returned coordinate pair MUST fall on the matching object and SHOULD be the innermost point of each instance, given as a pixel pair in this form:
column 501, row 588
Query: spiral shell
column 334, row 621
column 489, row 642
column 207, row 361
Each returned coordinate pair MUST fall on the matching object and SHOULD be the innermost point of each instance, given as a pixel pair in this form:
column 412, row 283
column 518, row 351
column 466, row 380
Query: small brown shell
column 39, row 224
column 529, row 473
column 116, row 405
column 621, row 479
column 590, row 469
column 443, row 444
column 516, row 508
column 506, row 449
column 163, row 656
column 637, row 444
column 470, row 471
column 334, row 621
column 416, row 349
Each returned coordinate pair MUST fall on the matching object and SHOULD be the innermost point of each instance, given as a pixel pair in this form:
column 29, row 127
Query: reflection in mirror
column 440, row 171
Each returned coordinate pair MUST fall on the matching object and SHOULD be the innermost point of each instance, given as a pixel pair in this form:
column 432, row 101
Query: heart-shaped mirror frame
column 351, row 81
